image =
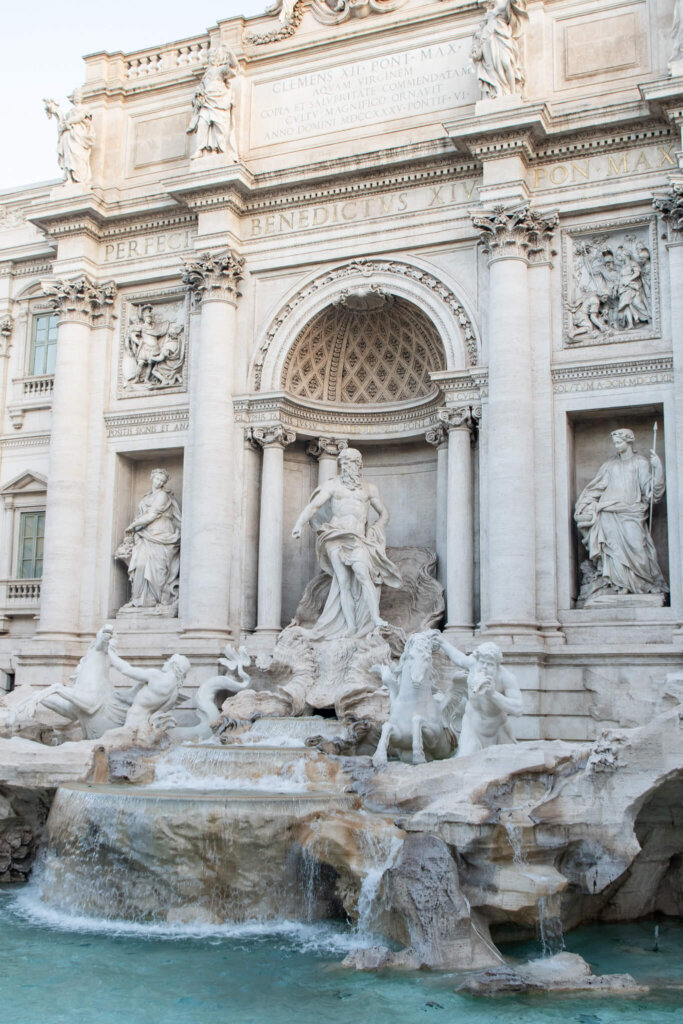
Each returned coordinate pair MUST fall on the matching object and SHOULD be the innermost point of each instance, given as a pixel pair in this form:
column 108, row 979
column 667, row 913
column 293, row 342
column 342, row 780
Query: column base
column 263, row 639
column 520, row 635
column 220, row 634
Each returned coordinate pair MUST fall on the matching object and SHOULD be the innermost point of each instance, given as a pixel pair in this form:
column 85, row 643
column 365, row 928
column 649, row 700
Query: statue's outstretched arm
column 456, row 656
column 318, row 499
column 140, row 674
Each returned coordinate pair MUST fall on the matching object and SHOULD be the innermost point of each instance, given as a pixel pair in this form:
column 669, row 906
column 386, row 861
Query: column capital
column 79, row 299
column 460, row 418
column 516, row 232
column 670, row 208
column 273, row 436
column 437, row 435
column 213, row 277
column 6, row 328
column 330, row 446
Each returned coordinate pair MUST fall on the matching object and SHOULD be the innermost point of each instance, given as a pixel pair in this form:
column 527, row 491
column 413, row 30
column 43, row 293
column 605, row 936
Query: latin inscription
column 602, row 167
column 398, row 85
column 360, row 210
column 147, row 245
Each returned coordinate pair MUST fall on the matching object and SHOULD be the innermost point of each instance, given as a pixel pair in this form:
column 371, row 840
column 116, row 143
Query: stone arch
column 450, row 319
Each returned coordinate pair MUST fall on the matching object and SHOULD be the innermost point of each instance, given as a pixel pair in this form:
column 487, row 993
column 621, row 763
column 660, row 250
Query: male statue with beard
column 350, row 549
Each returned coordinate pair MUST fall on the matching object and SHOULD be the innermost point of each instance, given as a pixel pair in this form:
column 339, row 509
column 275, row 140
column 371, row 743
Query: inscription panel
column 410, row 83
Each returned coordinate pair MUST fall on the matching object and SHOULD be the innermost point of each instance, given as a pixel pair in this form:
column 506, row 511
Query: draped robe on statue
column 155, row 562
column 369, row 549
column 618, row 540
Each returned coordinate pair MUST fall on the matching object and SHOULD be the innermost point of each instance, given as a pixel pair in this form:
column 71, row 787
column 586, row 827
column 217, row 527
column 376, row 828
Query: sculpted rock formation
column 151, row 550
column 612, row 516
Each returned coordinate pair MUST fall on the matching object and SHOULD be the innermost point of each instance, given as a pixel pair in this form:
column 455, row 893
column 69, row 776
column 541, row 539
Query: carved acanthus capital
column 460, row 418
column 516, row 232
column 80, row 299
column 330, row 446
column 437, row 436
column 670, row 209
column 273, row 436
column 6, row 326
column 214, row 276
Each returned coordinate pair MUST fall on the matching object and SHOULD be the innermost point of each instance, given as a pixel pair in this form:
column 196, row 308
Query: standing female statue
column 151, row 549
column 495, row 49
column 212, row 104
column 75, row 138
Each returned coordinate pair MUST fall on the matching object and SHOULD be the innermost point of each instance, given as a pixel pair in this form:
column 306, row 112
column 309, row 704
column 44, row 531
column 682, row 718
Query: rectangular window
column 43, row 344
column 31, row 536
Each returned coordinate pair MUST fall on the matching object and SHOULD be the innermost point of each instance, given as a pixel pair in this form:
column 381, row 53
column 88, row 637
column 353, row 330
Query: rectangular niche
column 610, row 283
column 590, row 446
column 132, row 481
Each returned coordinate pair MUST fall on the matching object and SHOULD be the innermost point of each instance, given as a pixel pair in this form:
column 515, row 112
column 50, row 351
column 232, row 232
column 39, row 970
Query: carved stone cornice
column 6, row 326
column 670, row 209
column 272, row 436
column 331, row 446
column 213, row 277
column 80, row 299
column 515, row 232
column 437, row 436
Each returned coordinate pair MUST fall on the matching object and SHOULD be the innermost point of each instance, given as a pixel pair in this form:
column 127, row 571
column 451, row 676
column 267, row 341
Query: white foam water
column 169, row 774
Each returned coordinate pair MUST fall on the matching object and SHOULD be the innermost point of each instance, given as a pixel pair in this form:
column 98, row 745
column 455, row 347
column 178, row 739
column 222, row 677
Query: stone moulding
column 160, row 421
column 386, row 272
column 615, row 375
column 315, row 419
column 608, row 232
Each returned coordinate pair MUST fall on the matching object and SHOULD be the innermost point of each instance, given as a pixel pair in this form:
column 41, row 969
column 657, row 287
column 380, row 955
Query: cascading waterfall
column 549, row 919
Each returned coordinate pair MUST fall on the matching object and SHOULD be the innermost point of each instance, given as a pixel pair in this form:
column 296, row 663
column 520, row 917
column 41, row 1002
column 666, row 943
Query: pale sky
column 43, row 42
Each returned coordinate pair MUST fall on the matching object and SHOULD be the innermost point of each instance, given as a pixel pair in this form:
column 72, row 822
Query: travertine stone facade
column 381, row 228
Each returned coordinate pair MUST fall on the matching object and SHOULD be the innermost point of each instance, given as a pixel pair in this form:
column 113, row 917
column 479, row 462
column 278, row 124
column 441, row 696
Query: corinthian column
column 459, row 519
column 326, row 450
column 273, row 440
column 438, row 436
column 670, row 209
column 210, row 502
column 507, row 236
column 80, row 304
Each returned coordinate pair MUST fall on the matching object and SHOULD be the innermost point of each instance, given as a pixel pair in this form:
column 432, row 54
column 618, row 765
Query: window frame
column 32, row 346
column 21, row 538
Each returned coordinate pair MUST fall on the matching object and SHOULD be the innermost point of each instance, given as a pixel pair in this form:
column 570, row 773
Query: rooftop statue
column 75, row 138
column 350, row 548
column 495, row 49
column 612, row 515
column 212, row 108
column 151, row 549
column 677, row 32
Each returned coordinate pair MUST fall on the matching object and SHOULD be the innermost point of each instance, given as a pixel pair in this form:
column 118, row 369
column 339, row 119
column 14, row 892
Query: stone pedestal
column 210, row 503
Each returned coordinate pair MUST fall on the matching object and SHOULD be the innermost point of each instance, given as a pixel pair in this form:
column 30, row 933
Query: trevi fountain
column 341, row 603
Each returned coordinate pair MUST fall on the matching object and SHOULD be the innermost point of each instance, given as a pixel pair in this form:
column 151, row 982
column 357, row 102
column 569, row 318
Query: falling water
column 380, row 853
column 549, row 919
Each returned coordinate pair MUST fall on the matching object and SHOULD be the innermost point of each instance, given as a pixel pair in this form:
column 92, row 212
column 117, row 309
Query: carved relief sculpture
column 154, row 352
column 75, row 138
column 350, row 548
column 612, row 287
column 495, row 49
column 213, row 121
column 613, row 514
column 151, row 550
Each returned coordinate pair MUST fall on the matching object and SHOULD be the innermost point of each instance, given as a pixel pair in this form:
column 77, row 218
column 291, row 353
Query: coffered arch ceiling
column 381, row 350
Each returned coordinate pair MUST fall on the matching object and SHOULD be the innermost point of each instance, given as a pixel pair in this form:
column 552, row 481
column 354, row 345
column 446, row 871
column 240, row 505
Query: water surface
column 62, row 970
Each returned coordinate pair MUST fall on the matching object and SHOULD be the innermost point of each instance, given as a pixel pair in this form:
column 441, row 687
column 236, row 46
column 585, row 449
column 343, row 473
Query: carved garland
column 367, row 268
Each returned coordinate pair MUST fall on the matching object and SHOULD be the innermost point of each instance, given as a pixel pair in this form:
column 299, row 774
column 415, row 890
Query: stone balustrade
column 149, row 62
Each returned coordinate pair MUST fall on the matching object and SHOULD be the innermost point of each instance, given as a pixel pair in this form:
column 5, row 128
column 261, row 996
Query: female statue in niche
column 495, row 49
column 612, row 516
column 212, row 108
column 151, row 549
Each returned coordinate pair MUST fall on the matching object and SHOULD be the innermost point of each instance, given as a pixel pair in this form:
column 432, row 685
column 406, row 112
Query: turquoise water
column 58, row 970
